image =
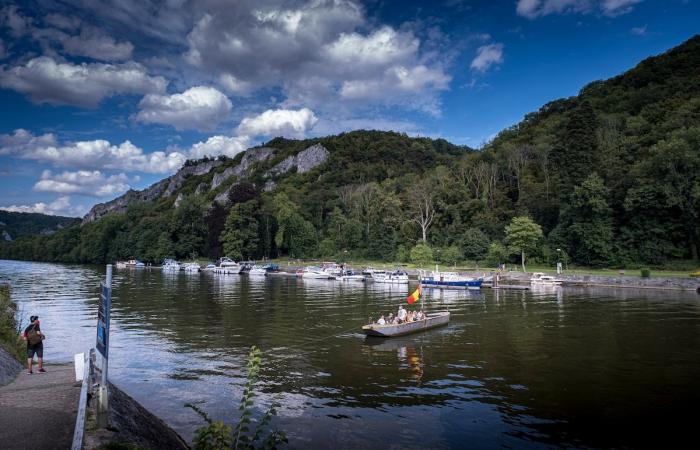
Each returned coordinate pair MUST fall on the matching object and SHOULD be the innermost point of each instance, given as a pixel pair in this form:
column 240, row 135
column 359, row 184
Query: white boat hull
column 433, row 320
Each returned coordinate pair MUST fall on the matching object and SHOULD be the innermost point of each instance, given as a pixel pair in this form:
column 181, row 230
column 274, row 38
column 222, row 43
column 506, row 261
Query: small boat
column 191, row 267
column 389, row 330
column 171, row 265
column 541, row 278
column 395, row 277
column 257, row 271
column 450, row 280
column 121, row 264
column 351, row 275
column 316, row 273
column 210, row 267
column 228, row 266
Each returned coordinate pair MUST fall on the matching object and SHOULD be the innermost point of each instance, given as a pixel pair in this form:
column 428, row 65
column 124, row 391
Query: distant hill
column 14, row 225
column 611, row 175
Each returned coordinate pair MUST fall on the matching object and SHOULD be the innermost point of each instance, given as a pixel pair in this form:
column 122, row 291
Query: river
column 554, row 367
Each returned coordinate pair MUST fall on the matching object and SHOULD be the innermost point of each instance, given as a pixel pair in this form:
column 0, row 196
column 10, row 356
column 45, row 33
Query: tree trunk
column 424, row 232
column 522, row 259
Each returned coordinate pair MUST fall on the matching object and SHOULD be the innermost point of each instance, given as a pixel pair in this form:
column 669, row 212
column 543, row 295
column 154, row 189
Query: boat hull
column 433, row 320
column 461, row 284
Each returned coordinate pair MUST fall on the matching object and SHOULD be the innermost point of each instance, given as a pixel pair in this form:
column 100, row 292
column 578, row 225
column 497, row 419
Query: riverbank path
column 38, row 411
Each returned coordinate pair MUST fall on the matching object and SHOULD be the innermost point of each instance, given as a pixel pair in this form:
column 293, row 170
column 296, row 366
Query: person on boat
column 391, row 319
column 381, row 320
column 409, row 316
column 401, row 315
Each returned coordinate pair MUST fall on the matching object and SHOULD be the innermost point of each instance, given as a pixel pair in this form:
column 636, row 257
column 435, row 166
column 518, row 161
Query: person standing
column 35, row 345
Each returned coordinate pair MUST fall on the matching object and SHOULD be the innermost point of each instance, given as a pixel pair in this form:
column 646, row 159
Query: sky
column 98, row 96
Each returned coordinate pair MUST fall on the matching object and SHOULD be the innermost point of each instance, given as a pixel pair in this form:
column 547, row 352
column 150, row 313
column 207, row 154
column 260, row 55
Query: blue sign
column 103, row 320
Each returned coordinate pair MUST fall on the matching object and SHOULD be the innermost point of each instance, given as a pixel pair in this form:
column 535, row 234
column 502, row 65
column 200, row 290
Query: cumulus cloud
column 95, row 44
column 533, row 9
column 487, row 56
column 279, row 122
column 48, row 81
column 93, row 183
column 316, row 52
column 219, row 145
column 200, row 108
column 59, row 207
column 96, row 154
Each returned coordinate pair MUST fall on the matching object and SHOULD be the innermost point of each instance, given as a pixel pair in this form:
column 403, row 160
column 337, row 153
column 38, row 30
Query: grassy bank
column 8, row 325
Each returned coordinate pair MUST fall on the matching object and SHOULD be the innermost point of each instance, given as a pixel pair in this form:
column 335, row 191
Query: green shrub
column 9, row 328
column 646, row 273
column 422, row 254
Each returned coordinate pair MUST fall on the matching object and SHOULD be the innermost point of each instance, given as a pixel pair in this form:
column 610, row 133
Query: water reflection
column 580, row 367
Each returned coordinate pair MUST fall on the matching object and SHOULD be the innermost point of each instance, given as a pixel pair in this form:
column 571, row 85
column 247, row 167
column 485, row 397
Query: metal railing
column 88, row 375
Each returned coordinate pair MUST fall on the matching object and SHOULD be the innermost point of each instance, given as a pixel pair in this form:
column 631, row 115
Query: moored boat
column 432, row 320
column 541, row 278
column 316, row 273
column 171, row 265
column 191, row 267
column 395, row 277
column 228, row 266
column 257, row 271
column 450, row 280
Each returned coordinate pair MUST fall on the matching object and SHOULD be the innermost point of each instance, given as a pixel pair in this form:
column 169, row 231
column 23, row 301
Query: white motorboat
column 257, row 271
column 171, row 265
column 121, row 264
column 432, row 320
column 395, row 277
column 544, row 279
column 228, row 266
column 351, row 275
column 315, row 273
column 192, row 267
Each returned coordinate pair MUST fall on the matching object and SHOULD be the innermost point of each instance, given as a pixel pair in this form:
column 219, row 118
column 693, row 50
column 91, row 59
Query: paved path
column 38, row 411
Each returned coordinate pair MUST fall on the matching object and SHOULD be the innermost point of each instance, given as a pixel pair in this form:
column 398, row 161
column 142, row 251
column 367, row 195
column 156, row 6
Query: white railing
column 79, row 432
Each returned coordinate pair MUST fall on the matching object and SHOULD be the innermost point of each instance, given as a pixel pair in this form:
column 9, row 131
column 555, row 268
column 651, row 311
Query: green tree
column 588, row 221
column 522, row 236
column 475, row 244
column 497, row 253
column 188, row 227
column 451, row 255
column 422, row 254
column 240, row 235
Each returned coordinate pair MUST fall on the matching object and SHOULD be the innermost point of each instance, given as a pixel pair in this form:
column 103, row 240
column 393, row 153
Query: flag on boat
column 413, row 297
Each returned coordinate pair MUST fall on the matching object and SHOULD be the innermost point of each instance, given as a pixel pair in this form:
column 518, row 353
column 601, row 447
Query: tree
column 188, row 227
column 421, row 194
column 475, row 244
column 451, row 255
column 240, row 235
column 422, row 254
column 588, row 221
column 522, row 235
column 497, row 253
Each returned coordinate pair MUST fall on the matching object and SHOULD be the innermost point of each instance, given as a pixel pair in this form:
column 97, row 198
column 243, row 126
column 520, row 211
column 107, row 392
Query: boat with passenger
column 227, row 266
column 544, row 279
column 431, row 320
column 450, row 280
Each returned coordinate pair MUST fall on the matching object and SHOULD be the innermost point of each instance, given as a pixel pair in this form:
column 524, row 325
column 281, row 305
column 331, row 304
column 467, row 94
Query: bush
column 422, row 254
column 646, row 273
column 9, row 328
column 497, row 254
column 451, row 255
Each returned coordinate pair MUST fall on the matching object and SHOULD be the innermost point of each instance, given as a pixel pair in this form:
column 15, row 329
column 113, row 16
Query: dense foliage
column 611, row 177
column 18, row 224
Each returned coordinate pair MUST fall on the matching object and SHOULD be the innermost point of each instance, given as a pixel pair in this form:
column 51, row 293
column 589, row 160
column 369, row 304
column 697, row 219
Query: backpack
column 33, row 337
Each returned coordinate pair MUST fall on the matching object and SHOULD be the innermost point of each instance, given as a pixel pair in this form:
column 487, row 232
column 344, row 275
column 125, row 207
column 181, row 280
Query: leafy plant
column 216, row 435
column 646, row 273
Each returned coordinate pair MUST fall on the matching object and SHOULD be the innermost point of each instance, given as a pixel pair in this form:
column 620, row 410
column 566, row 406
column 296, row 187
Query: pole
column 103, row 404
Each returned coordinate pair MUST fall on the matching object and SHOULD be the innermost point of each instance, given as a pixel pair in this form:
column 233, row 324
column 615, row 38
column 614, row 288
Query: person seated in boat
column 381, row 320
column 420, row 315
column 401, row 315
column 410, row 317
column 391, row 319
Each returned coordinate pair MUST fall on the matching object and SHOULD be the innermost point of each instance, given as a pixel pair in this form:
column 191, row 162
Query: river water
column 556, row 367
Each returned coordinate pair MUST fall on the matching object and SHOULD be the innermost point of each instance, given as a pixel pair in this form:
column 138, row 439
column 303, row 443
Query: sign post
column 102, row 346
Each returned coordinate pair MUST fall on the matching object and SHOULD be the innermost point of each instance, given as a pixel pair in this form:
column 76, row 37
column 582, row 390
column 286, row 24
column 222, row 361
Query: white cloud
column 639, row 31
column 487, row 56
column 93, row 183
column 200, row 108
column 67, row 23
column 533, row 9
column 318, row 53
column 18, row 24
column 48, row 81
column 279, row 122
column 93, row 43
column 59, row 207
column 614, row 8
column 97, row 154
column 219, row 145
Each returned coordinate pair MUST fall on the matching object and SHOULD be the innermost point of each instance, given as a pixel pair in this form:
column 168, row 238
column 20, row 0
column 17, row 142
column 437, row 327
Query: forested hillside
column 14, row 225
column 612, row 176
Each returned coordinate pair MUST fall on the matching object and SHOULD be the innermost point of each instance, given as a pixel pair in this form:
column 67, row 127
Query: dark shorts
column 37, row 349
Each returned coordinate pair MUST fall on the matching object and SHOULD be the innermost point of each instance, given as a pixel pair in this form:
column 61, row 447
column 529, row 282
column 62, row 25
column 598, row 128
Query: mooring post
column 106, row 305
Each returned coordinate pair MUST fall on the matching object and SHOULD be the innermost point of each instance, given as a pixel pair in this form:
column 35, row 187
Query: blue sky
column 100, row 96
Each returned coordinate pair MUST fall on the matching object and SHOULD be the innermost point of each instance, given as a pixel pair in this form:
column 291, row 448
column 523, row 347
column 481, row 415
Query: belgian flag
column 411, row 299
